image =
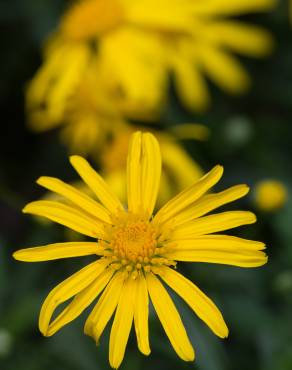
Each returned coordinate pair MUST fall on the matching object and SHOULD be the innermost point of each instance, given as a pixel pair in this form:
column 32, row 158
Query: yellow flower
column 86, row 113
column 137, row 44
column 270, row 195
column 136, row 251
column 83, row 107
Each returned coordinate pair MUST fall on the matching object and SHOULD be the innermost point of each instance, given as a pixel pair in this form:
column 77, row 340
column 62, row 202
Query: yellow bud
column 270, row 195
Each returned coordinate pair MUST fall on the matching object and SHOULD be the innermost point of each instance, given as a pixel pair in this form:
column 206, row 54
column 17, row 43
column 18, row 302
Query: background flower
column 270, row 195
column 137, row 44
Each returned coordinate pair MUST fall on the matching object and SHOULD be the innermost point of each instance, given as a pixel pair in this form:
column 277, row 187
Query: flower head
column 270, row 195
column 136, row 251
column 138, row 44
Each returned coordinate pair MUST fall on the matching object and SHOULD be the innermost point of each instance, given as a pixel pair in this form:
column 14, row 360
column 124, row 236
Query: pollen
column 134, row 245
column 91, row 18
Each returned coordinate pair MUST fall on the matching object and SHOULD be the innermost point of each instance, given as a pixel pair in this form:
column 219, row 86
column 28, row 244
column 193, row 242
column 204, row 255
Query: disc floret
column 134, row 244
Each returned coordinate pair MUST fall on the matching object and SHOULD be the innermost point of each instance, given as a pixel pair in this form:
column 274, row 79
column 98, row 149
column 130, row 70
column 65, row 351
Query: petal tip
column 191, row 356
column 74, row 158
column 137, row 135
column 42, row 179
column 243, row 189
column 253, row 217
column 146, row 352
column 15, row 255
column 44, row 331
column 26, row 209
column 225, row 333
column 144, row 348
column 246, row 188
column 219, row 169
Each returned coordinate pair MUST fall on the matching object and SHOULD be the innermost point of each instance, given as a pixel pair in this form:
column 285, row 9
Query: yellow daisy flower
column 138, row 43
column 136, row 251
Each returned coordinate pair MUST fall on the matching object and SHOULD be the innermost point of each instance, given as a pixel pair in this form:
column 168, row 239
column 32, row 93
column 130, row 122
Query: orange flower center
column 135, row 241
column 90, row 18
column 134, row 244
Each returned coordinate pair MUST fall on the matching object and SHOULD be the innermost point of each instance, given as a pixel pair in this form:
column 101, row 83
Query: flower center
column 135, row 241
column 91, row 18
column 134, row 244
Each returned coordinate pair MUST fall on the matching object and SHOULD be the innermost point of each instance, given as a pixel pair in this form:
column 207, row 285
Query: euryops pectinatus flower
column 137, row 45
column 137, row 251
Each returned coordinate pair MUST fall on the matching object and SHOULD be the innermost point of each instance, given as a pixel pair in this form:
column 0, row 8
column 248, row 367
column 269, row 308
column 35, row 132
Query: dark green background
column 251, row 137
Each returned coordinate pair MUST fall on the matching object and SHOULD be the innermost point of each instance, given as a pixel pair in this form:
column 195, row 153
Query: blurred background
column 251, row 135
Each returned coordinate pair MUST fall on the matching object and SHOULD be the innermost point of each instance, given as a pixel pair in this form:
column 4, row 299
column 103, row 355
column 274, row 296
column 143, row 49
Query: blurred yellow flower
column 137, row 251
column 136, row 44
column 270, row 195
column 85, row 113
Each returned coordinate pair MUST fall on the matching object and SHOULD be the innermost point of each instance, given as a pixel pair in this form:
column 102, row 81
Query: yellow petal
column 67, row 216
column 104, row 308
column 179, row 165
column 74, row 60
column 150, row 172
column 81, row 301
column 134, row 173
column 190, row 195
column 96, row 183
column 67, row 289
column 222, row 249
column 167, row 16
column 232, row 7
column 197, row 300
column 142, row 92
column 223, row 69
column 122, row 324
column 213, row 224
column 243, row 38
column 48, row 92
column 57, row 251
column 190, row 84
column 169, row 318
column 208, row 203
column 141, row 315
column 75, row 196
